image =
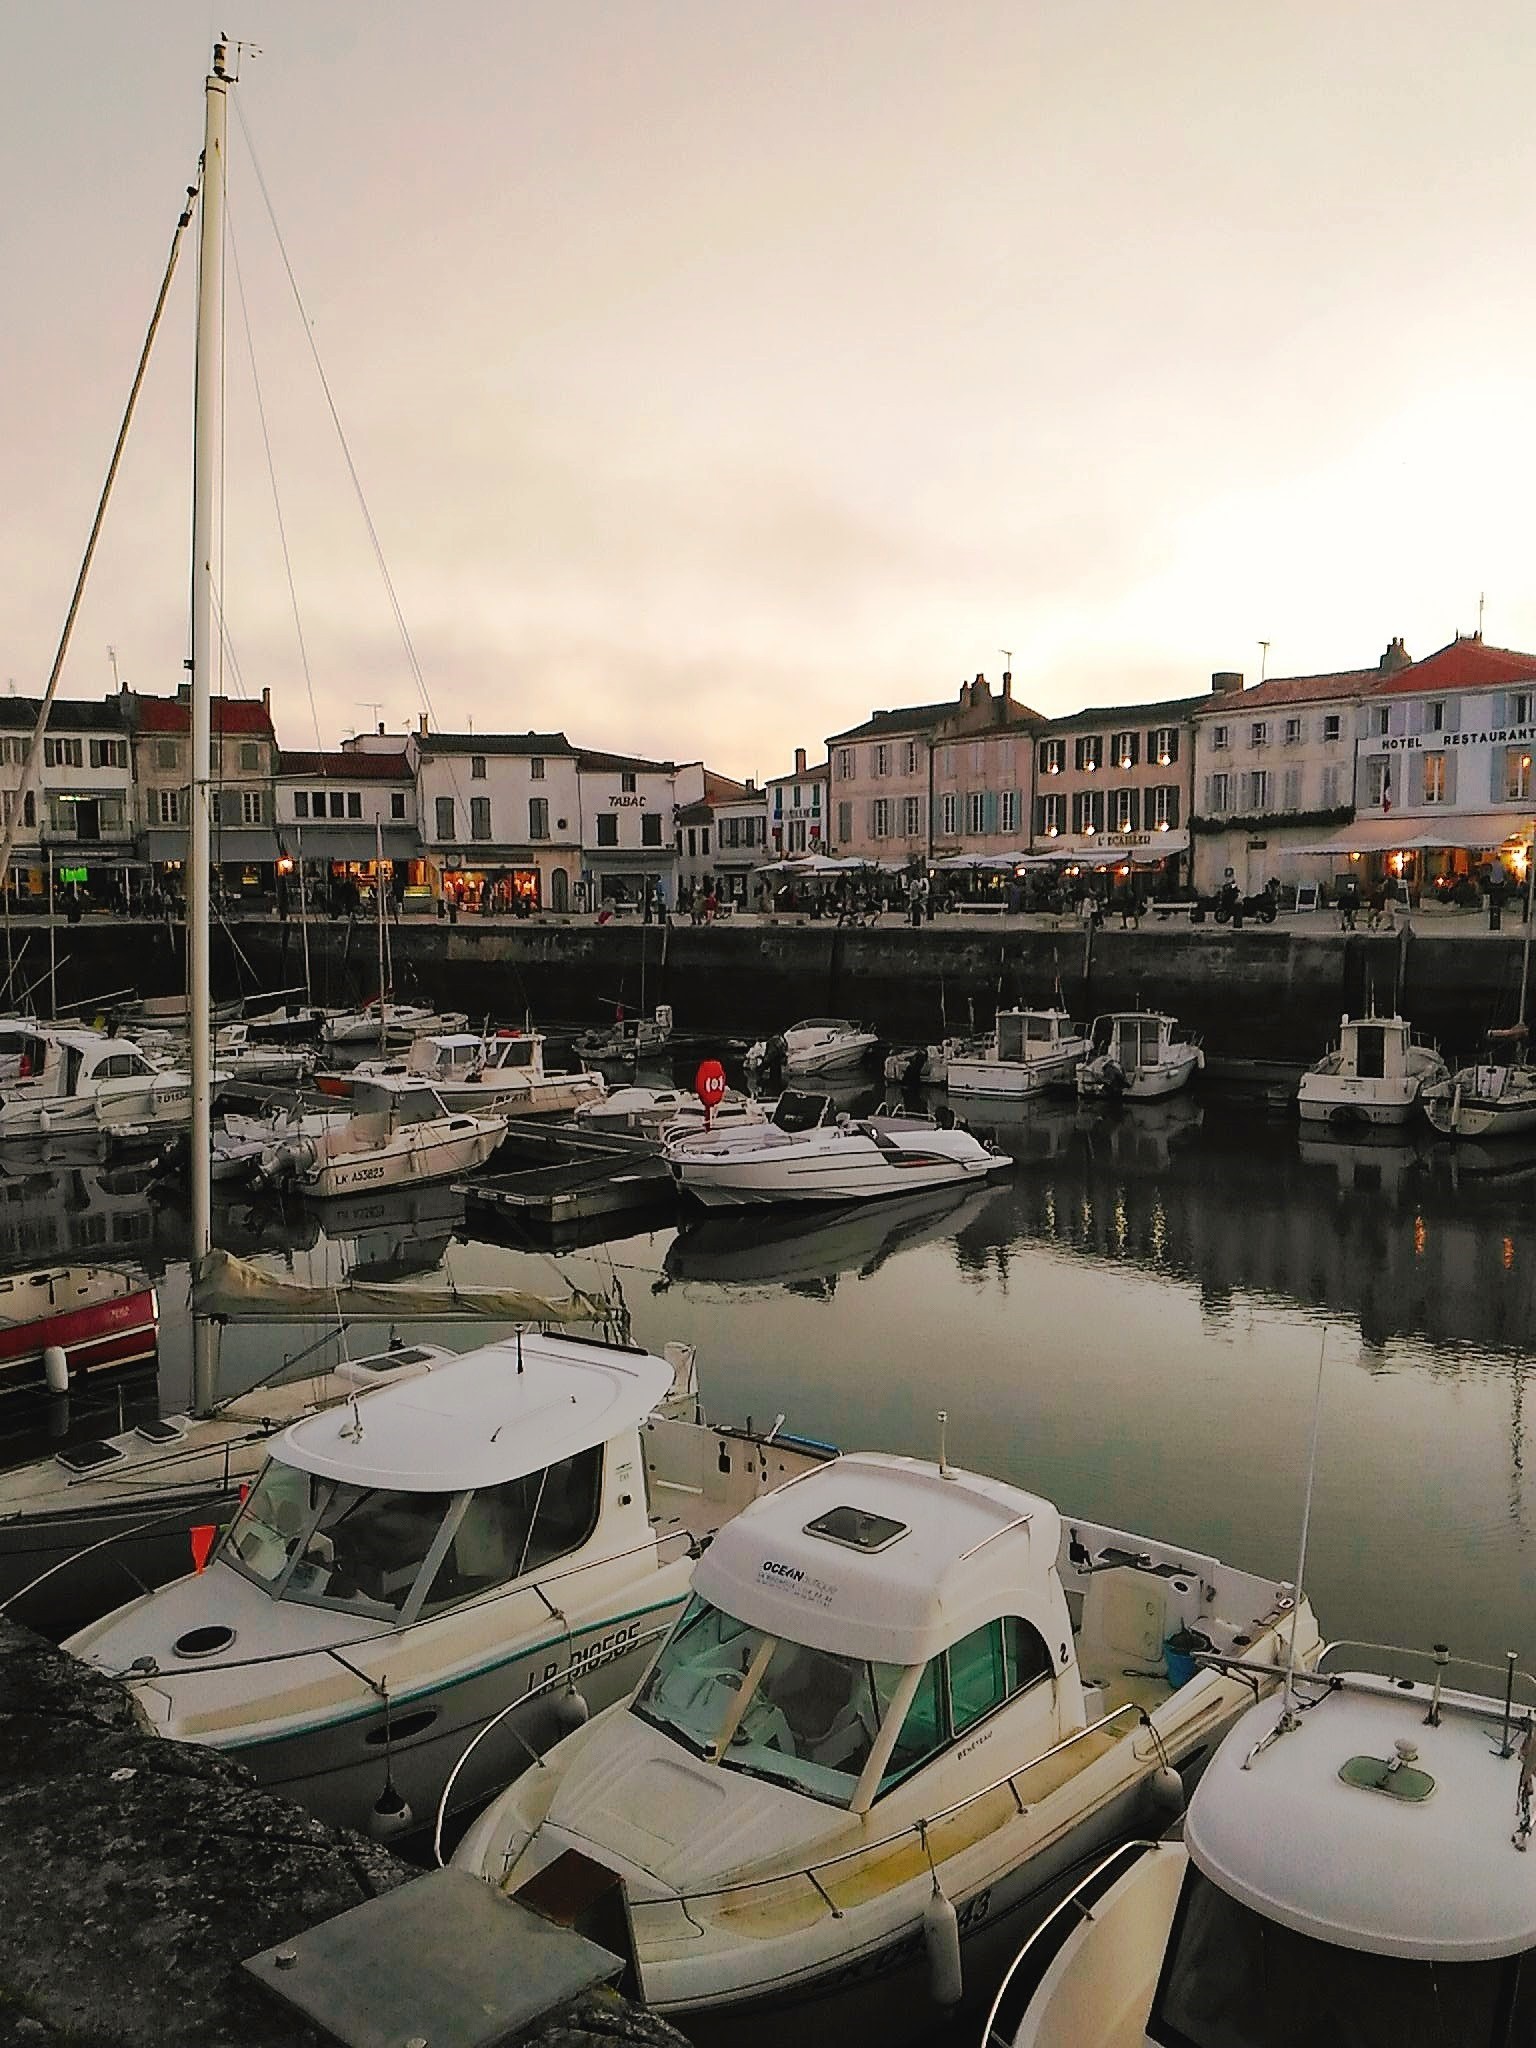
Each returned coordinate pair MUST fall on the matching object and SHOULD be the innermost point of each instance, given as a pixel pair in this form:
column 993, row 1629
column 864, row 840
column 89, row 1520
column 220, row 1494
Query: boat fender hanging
column 1165, row 1794
column 570, row 1713
column 56, row 1368
column 941, row 1945
column 390, row 1816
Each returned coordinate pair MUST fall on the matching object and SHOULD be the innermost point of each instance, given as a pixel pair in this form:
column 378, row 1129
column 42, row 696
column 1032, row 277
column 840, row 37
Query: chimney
column 266, row 698
column 1007, row 685
column 421, row 724
column 799, row 760
column 1226, row 681
column 381, row 728
column 1396, row 657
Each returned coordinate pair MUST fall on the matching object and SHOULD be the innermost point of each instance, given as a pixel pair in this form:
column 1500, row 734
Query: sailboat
column 1494, row 1097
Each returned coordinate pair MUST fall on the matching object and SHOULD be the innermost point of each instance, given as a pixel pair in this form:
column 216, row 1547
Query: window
column 1088, row 811
column 1053, row 816
column 976, row 811
column 479, row 817
column 338, row 803
column 1008, row 811
column 1221, row 738
column 911, row 817
column 1089, row 752
column 250, row 757
column 1434, row 778
column 1257, row 786
column 1163, row 807
column 63, row 754
column 1053, row 756
column 300, row 803
column 794, row 801
column 924, row 1731
column 815, row 796
column 1258, row 733
column 1290, row 790
column 1381, row 719
column 13, row 751
column 446, row 829
column 949, row 814
column 1332, row 778
column 880, row 818
column 882, row 762
column 251, row 806
column 538, row 817
column 627, row 781
column 317, row 802
column 536, row 767
column 29, row 816
column 978, row 757
column 1122, row 810
column 477, row 767
column 167, row 754
column 1218, row 794
column 1434, row 715
column 949, row 760
column 845, row 764
column 354, row 803
column 1295, row 732
column 1520, row 707
column 978, row 1680
column 909, row 759
column 520, row 1526
column 1517, row 772
column 1125, row 749
column 693, row 842
column 397, row 803
column 1332, row 725
column 607, row 828
column 109, row 753
column 650, row 831
column 844, row 824
column 1163, row 745
column 1377, row 783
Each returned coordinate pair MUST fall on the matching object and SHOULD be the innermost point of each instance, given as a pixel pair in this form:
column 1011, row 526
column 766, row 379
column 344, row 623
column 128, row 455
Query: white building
column 499, row 818
column 627, row 844
column 78, row 818
column 799, row 811
column 335, row 810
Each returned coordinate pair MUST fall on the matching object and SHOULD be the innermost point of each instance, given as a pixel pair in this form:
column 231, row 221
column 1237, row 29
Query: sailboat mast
column 207, row 468
column 1530, row 900
column 378, row 899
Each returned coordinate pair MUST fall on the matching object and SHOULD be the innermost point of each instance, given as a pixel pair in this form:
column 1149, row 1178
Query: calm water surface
column 1131, row 1324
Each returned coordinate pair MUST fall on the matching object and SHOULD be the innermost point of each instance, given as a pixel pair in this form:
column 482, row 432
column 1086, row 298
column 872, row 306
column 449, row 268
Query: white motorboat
column 1029, row 1051
column 244, row 1057
column 242, row 1143
column 1372, row 1076
column 1494, row 1099
column 487, row 1536
column 667, row 1112
column 496, row 1070
column 902, row 1704
column 25, row 1049
column 92, row 1082
column 108, row 1514
column 629, row 1038
column 923, row 1066
column 399, row 1023
column 818, row 1045
column 1351, row 1875
column 411, row 1137
column 806, row 1153
column 1138, row 1056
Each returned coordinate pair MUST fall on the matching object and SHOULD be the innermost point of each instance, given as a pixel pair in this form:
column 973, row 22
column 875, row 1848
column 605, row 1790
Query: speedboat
column 1496, row 1099
column 667, row 1112
column 493, row 1533
column 104, row 1514
column 818, row 1045
column 1349, row 1871
column 90, row 1317
column 902, row 1704
column 1138, row 1056
column 496, row 1071
column 1372, row 1076
column 806, row 1153
column 411, row 1137
column 1028, row 1052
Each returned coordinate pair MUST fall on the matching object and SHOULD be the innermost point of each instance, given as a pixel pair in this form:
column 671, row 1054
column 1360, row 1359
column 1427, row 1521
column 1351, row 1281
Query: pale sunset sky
column 718, row 372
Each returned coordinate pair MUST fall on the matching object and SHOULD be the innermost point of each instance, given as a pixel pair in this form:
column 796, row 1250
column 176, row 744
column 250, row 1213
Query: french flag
column 1386, row 786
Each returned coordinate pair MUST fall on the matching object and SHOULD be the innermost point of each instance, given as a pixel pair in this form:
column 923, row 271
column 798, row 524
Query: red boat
column 96, row 1315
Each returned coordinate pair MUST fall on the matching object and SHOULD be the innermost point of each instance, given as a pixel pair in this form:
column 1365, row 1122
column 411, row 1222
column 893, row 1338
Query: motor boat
column 1372, row 1076
column 490, row 1534
column 92, row 1082
column 407, row 1137
column 399, row 1023
column 1350, row 1870
column 25, row 1049
column 667, row 1112
column 244, row 1057
column 1029, row 1051
column 106, row 1514
column 629, row 1038
column 818, row 1045
column 495, row 1071
column 1138, row 1056
column 924, row 1066
column 806, row 1153
column 241, row 1143
column 903, row 1703
column 1496, row 1099
column 89, row 1317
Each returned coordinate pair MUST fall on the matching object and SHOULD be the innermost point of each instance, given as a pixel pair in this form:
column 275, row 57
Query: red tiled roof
column 171, row 714
column 1353, row 682
column 346, row 766
column 1466, row 664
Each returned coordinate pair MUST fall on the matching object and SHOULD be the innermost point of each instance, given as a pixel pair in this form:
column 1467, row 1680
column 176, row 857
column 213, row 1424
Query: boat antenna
column 1290, row 1717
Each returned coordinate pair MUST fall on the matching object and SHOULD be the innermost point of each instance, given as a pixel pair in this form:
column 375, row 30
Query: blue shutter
column 989, row 811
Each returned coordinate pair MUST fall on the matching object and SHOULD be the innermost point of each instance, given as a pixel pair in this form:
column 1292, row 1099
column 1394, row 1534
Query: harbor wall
column 1266, row 992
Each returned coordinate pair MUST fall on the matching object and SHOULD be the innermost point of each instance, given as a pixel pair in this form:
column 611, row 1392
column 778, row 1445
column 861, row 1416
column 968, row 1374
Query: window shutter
column 1452, row 762
column 1173, row 804
column 1135, row 810
column 1039, row 832
column 989, row 811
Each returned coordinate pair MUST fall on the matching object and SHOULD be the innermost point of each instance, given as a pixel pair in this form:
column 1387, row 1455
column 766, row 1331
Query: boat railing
column 914, row 1831
column 1073, row 1902
column 1441, row 1663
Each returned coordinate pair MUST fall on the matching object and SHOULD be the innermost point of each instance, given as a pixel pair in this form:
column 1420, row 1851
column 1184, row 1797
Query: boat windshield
column 1233, row 1979
column 766, row 1706
column 329, row 1544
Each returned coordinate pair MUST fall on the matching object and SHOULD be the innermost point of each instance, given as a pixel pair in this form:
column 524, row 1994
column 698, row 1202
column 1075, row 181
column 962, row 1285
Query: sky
column 717, row 372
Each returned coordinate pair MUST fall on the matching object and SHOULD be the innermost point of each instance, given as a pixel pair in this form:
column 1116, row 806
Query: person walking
column 1495, row 885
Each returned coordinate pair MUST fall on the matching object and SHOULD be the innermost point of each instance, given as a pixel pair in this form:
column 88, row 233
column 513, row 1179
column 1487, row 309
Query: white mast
column 207, row 471
column 378, row 904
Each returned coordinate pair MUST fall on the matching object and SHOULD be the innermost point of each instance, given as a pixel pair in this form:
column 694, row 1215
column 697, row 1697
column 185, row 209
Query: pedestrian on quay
column 1496, row 884
column 711, row 904
column 1349, row 903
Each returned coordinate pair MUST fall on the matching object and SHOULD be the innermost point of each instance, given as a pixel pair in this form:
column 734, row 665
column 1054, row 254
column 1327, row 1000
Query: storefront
column 1157, row 860
column 1434, row 859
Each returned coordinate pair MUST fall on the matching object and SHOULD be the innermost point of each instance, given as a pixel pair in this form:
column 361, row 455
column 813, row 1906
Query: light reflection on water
column 1130, row 1323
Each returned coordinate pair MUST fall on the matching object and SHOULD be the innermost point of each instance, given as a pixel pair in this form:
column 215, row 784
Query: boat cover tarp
column 236, row 1290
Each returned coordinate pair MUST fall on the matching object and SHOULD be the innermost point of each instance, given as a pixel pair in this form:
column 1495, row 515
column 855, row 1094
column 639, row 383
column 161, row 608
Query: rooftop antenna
column 369, row 704
column 1263, row 659
column 112, row 657
column 1482, row 599
column 1007, row 654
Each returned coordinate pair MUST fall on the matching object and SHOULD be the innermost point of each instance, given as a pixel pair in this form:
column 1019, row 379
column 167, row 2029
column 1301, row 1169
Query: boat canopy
column 494, row 1415
column 229, row 1288
column 1020, row 1032
column 884, row 1558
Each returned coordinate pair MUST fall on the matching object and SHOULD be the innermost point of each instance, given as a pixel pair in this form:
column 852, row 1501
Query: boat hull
column 1502, row 1109
column 854, row 1171
column 1012, row 1079
column 1140, row 1084
column 95, row 1337
column 1342, row 1102
column 401, row 1165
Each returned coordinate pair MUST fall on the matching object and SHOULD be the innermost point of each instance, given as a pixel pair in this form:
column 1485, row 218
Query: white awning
column 1473, row 830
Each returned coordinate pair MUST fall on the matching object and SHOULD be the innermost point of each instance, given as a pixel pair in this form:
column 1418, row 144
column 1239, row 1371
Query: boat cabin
column 1374, row 1048
column 1135, row 1038
column 465, row 1055
column 1033, row 1034
column 86, row 1060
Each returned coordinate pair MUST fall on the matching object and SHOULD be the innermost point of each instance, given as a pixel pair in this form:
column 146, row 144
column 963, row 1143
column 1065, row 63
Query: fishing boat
column 1349, row 1871
column 903, row 1703
column 1497, row 1097
column 1138, row 1056
column 629, row 1038
column 64, row 1320
column 1028, row 1052
column 401, row 1139
column 105, row 1516
column 494, row 1534
column 817, row 1045
column 1373, row 1075
column 493, row 1070
column 805, row 1152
